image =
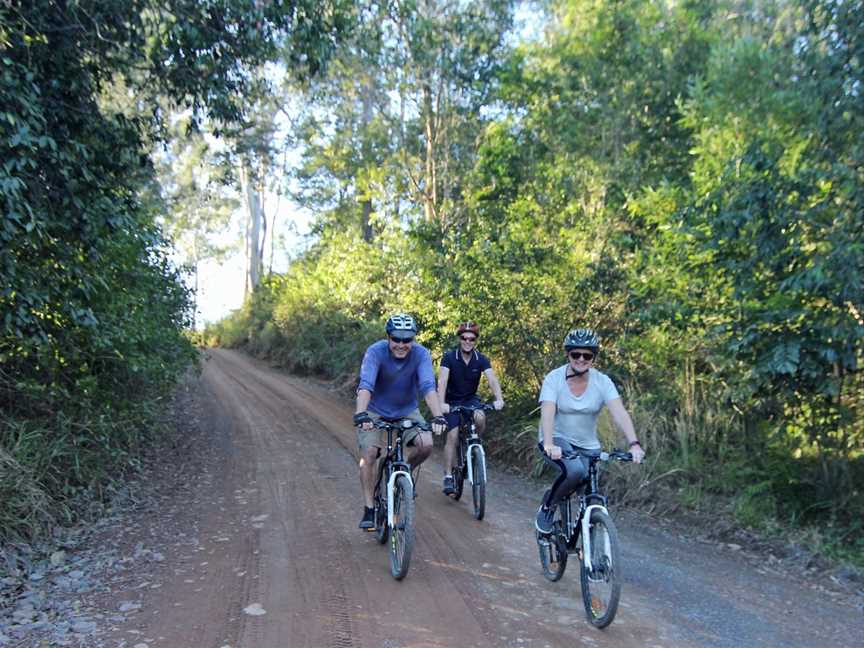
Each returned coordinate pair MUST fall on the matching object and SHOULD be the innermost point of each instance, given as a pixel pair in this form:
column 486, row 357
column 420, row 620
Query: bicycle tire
column 402, row 533
column 458, row 482
column 381, row 528
column 553, row 550
column 478, row 486
column 601, row 587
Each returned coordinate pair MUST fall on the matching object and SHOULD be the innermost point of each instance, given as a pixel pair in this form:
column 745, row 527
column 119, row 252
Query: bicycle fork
column 586, row 535
column 482, row 453
column 391, row 487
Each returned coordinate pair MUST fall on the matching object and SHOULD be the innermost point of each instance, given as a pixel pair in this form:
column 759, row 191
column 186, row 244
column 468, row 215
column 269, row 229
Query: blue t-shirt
column 463, row 379
column 394, row 383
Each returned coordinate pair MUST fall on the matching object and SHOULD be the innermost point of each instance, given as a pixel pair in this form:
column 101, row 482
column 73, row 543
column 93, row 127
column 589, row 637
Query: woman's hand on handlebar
column 498, row 404
column 553, row 451
column 637, row 452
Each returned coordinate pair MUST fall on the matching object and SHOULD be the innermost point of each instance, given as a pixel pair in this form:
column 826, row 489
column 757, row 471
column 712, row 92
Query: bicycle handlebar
column 615, row 453
column 403, row 425
column 471, row 408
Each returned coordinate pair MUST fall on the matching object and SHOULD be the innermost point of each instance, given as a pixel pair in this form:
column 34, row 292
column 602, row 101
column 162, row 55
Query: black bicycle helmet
column 583, row 338
column 400, row 322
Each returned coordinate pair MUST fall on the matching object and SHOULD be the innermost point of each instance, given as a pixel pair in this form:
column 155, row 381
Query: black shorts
column 453, row 417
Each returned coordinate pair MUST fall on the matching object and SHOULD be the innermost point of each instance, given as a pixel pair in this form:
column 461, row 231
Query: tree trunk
column 254, row 217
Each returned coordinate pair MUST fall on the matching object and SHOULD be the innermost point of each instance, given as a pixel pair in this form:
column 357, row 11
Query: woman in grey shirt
column 571, row 399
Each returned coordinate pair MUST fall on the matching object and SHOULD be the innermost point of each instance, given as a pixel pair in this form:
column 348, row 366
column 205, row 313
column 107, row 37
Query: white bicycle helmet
column 401, row 322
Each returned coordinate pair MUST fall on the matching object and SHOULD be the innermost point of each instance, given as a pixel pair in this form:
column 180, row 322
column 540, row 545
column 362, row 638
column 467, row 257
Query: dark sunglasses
column 399, row 340
column 575, row 355
column 465, row 338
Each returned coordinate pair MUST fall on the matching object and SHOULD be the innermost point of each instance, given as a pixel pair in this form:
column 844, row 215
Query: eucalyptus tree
column 403, row 108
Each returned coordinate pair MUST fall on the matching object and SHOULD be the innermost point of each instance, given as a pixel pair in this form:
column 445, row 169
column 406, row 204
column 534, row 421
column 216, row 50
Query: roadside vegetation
column 683, row 177
column 92, row 307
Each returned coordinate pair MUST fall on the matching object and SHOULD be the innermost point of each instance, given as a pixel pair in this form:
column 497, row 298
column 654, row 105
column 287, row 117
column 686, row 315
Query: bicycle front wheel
column 601, row 584
column 478, row 487
column 402, row 533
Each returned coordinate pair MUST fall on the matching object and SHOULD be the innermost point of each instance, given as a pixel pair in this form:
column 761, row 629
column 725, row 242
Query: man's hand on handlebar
column 439, row 425
column 445, row 408
column 498, row 404
column 362, row 419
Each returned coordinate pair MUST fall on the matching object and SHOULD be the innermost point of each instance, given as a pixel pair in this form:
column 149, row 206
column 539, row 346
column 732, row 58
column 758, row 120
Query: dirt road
column 266, row 553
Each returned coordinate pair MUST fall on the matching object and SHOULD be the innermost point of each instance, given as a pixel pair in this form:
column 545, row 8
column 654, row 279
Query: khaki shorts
column 378, row 438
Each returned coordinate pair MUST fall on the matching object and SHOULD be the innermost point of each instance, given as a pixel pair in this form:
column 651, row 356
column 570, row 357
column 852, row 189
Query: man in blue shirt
column 392, row 373
column 458, row 379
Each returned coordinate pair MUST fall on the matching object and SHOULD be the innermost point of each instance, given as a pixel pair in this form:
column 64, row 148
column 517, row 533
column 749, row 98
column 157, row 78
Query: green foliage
column 683, row 177
column 91, row 309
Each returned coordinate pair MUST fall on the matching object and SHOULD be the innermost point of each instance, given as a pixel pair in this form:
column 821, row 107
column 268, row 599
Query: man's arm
column 443, row 376
column 431, row 398
column 363, row 398
column 495, row 386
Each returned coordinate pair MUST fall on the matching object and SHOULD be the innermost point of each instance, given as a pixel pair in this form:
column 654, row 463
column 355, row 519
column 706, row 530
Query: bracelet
column 636, row 442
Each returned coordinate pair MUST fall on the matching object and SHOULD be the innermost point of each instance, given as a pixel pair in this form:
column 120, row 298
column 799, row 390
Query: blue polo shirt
column 464, row 379
column 394, row 383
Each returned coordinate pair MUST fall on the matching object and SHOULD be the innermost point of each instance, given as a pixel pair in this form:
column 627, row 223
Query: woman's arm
column 621, row 418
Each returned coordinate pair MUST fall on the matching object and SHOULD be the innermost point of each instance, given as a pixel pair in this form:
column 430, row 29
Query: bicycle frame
column 469, row 439
column 592, row 499
column 398, row 466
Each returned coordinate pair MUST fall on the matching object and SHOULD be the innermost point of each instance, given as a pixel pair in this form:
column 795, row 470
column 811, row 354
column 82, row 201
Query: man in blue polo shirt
column 458, row 379
column 392, row 373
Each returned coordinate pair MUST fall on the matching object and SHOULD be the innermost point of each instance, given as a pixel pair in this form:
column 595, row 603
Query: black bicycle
column 471, row 457
column 394, row 497
column 591, row 533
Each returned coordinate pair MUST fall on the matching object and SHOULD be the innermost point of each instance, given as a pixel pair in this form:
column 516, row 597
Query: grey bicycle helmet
column 583, row 338
column 402, row 323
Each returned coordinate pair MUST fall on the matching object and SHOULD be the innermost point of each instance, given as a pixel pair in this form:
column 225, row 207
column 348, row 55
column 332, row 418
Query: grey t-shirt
column 576, row 416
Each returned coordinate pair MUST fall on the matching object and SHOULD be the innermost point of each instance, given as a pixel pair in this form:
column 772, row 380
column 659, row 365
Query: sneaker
column 368, row 521
column 543, row 523
column 449, row 485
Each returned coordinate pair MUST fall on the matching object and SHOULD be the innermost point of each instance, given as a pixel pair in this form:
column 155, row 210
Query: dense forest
column 684, row 177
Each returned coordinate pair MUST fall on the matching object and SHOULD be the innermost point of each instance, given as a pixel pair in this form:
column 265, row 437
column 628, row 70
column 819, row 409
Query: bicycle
column 394, row 497
column 592, row 534
column 471, row 458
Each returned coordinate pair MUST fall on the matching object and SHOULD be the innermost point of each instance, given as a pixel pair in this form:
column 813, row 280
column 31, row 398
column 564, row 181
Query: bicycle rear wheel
column 478, row 486
column 553, row 549
column 402, row 533
column 381, row 529
column 601, row 585
column 458, row 482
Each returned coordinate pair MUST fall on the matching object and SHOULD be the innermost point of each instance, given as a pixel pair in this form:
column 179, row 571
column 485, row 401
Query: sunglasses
column 466, row 338
column 585, row 355
column 399, row 340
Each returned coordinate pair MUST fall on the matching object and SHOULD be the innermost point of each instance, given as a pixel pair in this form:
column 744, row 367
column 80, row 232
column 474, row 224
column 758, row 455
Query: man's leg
column 449, row 486
column 450, row 450
column 480, row 421
column 420, row 449
column 368, row 460
column 368, row 442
